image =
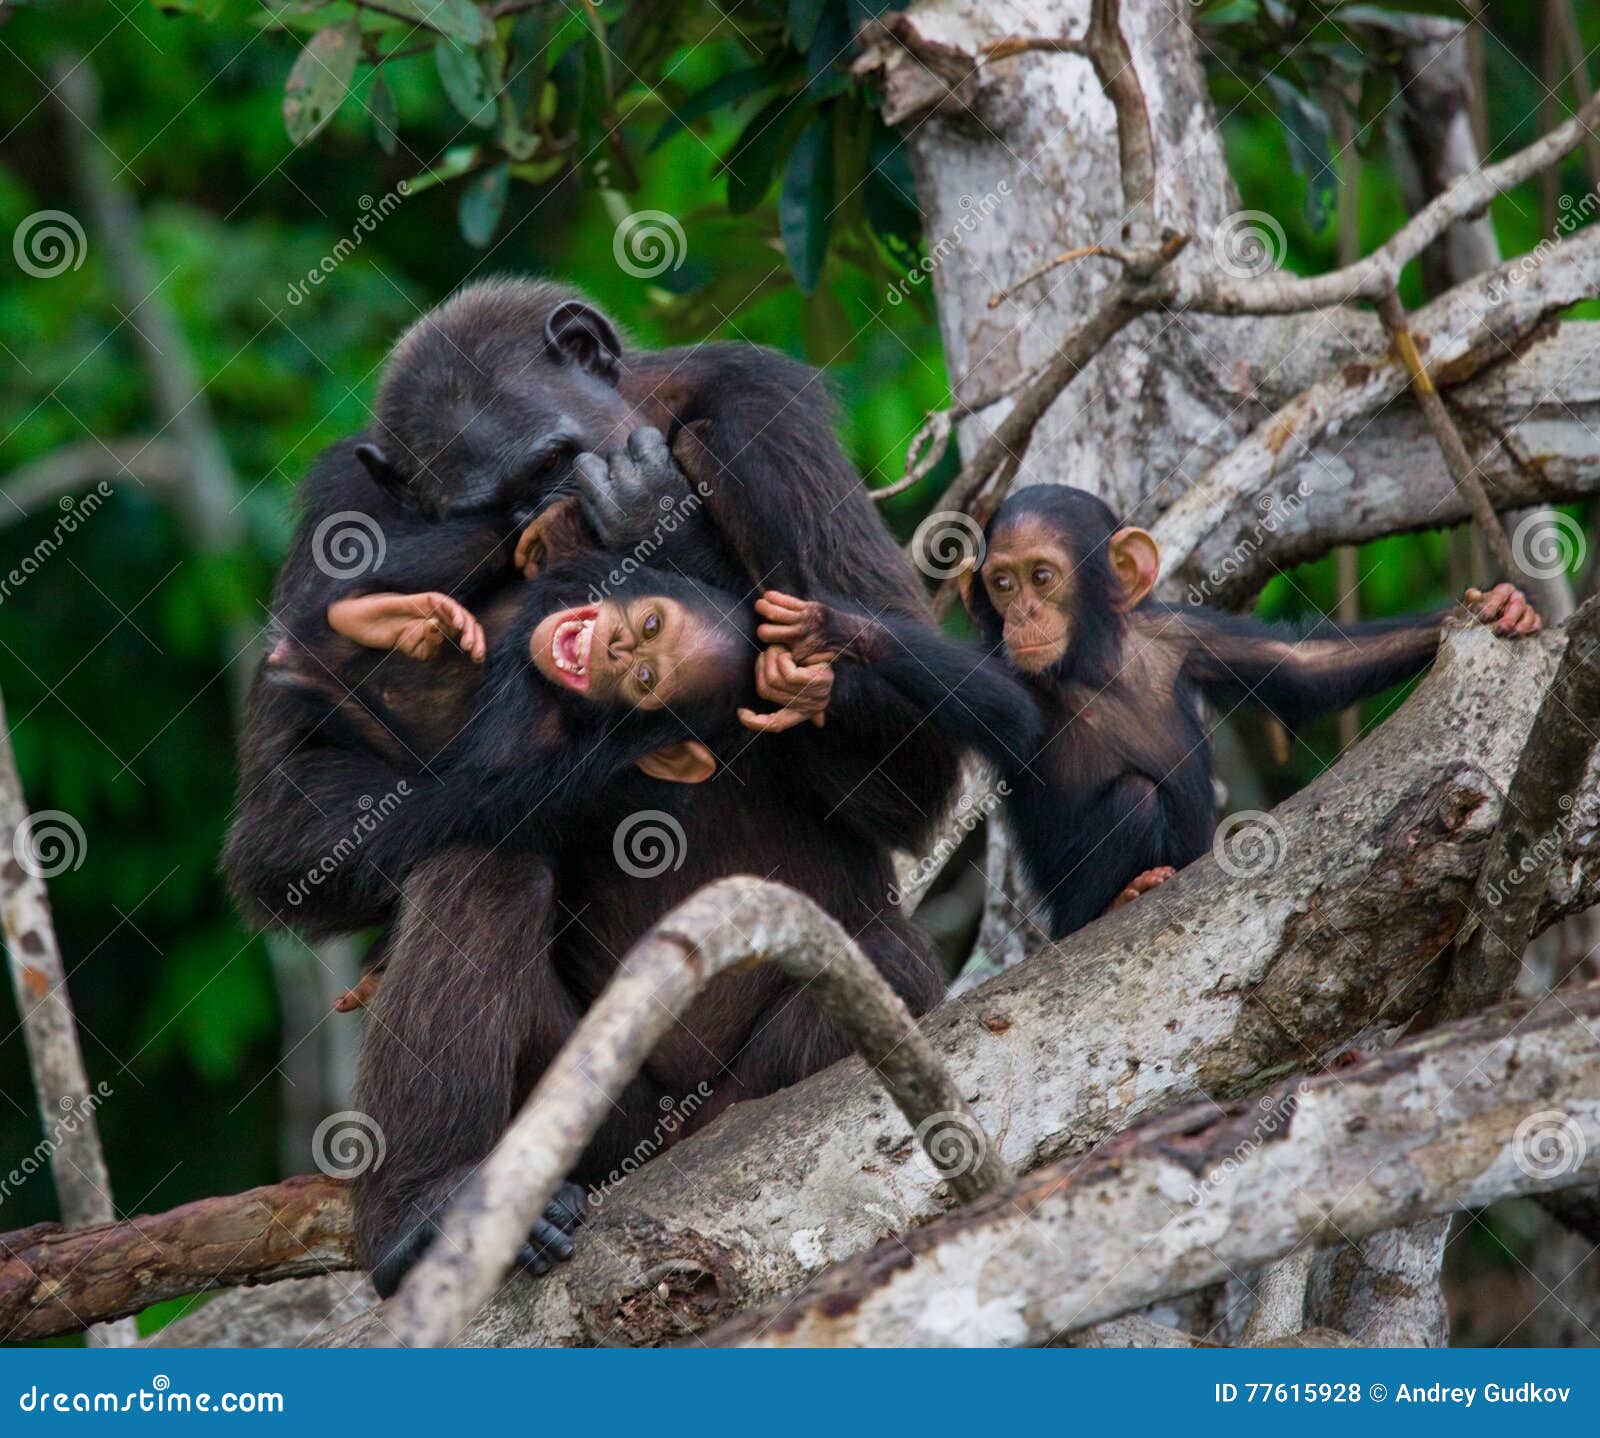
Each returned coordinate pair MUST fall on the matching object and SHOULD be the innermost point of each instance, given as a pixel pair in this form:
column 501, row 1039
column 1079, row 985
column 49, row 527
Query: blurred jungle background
column 267, row 193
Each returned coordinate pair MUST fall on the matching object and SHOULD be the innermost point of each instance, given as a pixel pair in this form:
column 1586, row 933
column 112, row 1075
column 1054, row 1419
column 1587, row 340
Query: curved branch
column 732, row 923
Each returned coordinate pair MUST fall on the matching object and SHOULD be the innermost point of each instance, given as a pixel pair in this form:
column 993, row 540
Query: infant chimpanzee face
column 646, row 651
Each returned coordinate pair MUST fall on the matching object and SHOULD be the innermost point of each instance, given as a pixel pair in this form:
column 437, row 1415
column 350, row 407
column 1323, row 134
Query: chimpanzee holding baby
column 533, row 692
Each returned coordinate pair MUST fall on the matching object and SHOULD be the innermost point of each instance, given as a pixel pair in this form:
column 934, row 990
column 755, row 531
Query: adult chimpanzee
column 574, row 693
column 1120, row 796
column 527, row 377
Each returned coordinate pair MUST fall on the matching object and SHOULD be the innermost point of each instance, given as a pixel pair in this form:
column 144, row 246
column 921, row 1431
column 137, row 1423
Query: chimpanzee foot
column 548, row 1241
column 1141, row 884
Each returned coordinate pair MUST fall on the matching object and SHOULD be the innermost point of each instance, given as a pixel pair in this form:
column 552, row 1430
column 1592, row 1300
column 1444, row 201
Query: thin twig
column 1456, row 458
column 730, row 924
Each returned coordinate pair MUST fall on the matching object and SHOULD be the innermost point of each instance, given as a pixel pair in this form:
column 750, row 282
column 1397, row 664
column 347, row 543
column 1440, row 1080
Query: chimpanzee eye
column 652, row 624
column 1043, row 575
column 1002, row 582
column 646, row 677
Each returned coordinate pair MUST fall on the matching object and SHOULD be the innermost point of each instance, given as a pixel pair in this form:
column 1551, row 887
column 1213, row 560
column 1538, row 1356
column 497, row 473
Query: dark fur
column 1122, row 783
column 810, row 808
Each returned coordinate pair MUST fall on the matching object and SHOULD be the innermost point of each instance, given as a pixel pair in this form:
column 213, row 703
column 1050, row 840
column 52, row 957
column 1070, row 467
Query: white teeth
column 580, row 634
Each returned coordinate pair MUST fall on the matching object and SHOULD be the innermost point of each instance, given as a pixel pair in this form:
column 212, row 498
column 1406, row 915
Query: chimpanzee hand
column 798, row 625
column 801, row 691
column 414, row 624
column 555, row 531
column 624, row 495
column 1507, row 608
column 547, row 1242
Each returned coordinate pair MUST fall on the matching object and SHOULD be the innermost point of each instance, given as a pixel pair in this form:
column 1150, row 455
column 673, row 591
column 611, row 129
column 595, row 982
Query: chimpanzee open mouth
column 570, row 642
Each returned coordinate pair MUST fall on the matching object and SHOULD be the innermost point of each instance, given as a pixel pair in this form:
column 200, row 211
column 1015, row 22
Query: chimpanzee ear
column 578, row 332
column 968, row 568
column 688, row 762
column 377, row 463
column 1136, row 561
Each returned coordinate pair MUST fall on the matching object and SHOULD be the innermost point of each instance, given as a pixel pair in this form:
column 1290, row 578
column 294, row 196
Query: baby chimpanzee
column 1120, row 795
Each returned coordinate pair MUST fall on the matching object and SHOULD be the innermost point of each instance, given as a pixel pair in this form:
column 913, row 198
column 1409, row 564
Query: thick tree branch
column 59, row 1280
column 1540, row 803
column 731, row 923
column 1432, row 1126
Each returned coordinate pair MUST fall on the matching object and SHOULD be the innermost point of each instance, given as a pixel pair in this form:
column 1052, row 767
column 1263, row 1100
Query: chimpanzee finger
column 531, row 1260
column 780, row 633
column 600, row 506
column 1490, row 605
column 774, row 723
column 648, row 446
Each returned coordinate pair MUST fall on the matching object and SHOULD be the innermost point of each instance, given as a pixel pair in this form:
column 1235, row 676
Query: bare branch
column 33, row 846
column 1460, row 464
column 151, row 464
column 1208, row 292
column 59, row 1280
column 1187, row 1200
column 731, row 923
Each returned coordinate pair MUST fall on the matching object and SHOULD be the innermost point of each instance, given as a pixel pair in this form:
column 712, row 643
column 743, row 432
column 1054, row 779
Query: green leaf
column 482, row 204
column 320, row 78
column 729, row 90
column 385, row 123
column 804, row 16
column 761, row 145
column 469, row 80
column 1310, row 147
column 459, row 19
column 805, row 203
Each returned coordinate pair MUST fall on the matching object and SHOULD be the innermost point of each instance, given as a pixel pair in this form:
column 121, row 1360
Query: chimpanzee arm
column 353, row 539
column 1298, row 676
column 1080, row 856
column 970, row 697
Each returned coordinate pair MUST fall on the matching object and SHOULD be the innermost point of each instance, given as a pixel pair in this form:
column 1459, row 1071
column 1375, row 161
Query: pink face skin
column 642, row 654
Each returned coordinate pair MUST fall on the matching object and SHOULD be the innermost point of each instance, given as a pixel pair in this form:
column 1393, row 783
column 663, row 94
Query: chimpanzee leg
column 470, row 1012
